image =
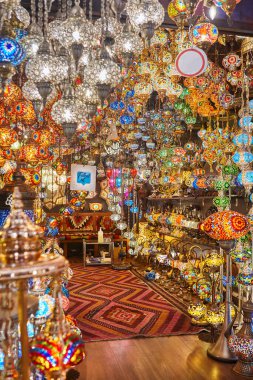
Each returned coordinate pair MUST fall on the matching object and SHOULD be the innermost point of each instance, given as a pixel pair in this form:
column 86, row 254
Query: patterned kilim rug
column 111, row 304
column 173, row 299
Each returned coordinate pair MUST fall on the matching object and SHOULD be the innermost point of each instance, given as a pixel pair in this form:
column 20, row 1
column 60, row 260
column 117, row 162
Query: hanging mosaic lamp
column 204, row 34
column 225, row 225
column 242, row 158
column 146, row 16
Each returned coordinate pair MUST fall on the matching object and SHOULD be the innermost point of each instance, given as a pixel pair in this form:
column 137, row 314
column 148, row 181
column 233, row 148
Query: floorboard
column 166, row 358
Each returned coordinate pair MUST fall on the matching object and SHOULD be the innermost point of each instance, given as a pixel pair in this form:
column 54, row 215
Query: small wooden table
column 93, row 253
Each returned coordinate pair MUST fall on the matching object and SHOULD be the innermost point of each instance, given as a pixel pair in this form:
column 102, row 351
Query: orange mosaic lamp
column 226, row 225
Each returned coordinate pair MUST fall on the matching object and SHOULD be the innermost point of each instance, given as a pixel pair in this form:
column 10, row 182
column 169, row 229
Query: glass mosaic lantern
column 226, row 225
column 204, row 34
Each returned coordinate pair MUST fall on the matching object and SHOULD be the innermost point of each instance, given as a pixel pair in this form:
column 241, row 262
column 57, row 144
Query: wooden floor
column 166, row 358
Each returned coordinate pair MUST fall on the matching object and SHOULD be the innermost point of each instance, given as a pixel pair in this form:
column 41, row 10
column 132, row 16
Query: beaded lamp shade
column 225, row 225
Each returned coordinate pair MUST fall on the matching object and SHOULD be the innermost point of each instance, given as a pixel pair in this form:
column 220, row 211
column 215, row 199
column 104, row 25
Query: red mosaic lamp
column 226, row 225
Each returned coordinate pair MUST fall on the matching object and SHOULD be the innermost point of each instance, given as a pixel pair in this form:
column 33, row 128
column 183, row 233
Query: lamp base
column 220, row 351
column 244, row 368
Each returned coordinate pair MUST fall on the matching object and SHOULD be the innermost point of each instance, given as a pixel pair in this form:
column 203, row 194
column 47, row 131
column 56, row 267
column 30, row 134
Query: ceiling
column 241, row 22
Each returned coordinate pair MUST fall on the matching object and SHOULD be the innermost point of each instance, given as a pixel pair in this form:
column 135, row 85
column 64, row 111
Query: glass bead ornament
column 178, row 11
column 245, row 122
column 102, row 72
column 161, row 83
column 243, row 139
column 11, row 51
column 53, row 354
column 45, row 309
column 226, row 100
column 128, row 44
column 221, row 202
column 204, row 34
column 88, row 95
column 77, row 29
column 214, row 316
column 221, row 185
column 180, row 6
column 46, row 69
column 68, row 111
column 160, row 38
column 225, row 225
column 231, row 62
column 197, row 311
column 230, row 170
column 7, row 137
column 115, row 217
column 121, row 226
column 242, row 159
column 239, row 254
column 214, row 259
column 21, row 237
column 245, row 276
column 146, row 16
column 74, row 352
column 22, row 15
column 235, row 78
column 245, row 178
column 111, row 28
column 55, row 29
column 30, row 91
column 33, row 40
column 143, row 90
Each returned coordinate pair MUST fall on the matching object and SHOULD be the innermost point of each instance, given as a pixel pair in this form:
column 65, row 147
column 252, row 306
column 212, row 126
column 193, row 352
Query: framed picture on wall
column 83, row 177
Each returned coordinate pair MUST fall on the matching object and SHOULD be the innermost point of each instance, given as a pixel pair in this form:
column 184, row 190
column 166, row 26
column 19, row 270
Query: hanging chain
column 69, row 6
column 107, row 15
column 243, row 87
column 40, row 14
column 45, row 18
column 33, row 12
column 103, row 18
column 64, row 9
column 247, row 82
column 90, row 10
column 84, row 7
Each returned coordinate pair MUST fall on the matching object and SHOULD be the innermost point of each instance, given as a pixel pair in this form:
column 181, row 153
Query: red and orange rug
column 111, row 304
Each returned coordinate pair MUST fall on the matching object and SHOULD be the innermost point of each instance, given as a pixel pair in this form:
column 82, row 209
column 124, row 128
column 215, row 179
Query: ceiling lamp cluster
column 73, row 46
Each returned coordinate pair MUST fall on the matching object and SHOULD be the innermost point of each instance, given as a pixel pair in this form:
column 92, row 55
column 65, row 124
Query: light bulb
column 128, row 46
column 103, row 75
column 16, row 145
column 212, row 12
column 67, row 114
column 45, row 70
column 140, row 18
column 34, row 48
column 76, row 35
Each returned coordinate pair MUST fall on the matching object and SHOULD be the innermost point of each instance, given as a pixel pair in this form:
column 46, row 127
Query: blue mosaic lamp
column 243, row 139
column 245, row 178
column 246, row 122
column 242, row 158
column 11, row 51
column 126, row 119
